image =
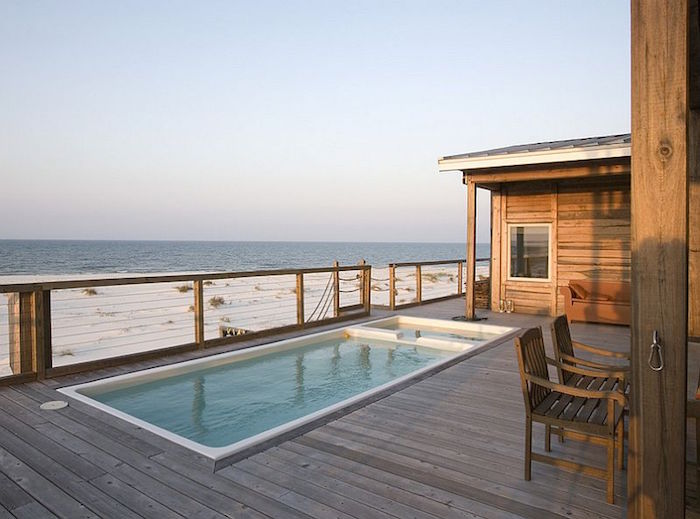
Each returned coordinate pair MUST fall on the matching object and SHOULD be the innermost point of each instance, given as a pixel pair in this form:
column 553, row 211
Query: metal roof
column 606, row 146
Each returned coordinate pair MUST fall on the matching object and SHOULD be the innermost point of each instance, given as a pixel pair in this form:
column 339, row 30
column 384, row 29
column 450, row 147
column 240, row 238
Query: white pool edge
column 218, row 453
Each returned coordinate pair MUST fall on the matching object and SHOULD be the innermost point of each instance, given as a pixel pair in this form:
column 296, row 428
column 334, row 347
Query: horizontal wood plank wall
column 527, row 202
column 593, row 228
column 590, row 228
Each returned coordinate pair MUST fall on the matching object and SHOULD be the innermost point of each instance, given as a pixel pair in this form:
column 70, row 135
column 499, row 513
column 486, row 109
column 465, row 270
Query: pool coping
column 220, row 457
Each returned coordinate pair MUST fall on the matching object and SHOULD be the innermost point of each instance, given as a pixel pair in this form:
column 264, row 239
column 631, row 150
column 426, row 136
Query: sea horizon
column 34, row 257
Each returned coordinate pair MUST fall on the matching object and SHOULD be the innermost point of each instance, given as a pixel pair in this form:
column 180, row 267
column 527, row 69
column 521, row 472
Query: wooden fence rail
column 428, row 282
column 65, row 319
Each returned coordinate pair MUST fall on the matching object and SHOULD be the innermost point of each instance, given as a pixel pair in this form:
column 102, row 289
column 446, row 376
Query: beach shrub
column 190, row 308
column 89, row 292
column 183, row 288
column 207, row 283
column 225, row 319
column 216, row 301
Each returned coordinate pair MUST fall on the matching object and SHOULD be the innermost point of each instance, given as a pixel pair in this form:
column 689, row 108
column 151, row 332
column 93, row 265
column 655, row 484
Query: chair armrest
column 567, row 293
column 575, row 391
column 596, row 373
column 595, row 365
column 600, row 351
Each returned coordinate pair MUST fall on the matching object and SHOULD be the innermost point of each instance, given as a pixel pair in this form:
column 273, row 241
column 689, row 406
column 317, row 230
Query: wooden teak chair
column 564, row 349
column 594, row 416
column 600, row 375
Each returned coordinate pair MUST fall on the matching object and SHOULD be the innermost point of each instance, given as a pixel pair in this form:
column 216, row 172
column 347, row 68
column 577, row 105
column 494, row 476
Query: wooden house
column 560, row 218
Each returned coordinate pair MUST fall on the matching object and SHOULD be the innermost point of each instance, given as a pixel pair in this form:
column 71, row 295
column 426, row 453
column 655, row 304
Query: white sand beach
column 89, row 324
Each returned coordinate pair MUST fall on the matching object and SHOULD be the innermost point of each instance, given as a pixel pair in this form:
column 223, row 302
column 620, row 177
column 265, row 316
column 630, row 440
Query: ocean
column 46, row 257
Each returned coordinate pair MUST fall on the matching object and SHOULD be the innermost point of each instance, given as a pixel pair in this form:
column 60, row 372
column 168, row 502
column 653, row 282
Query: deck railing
column 62, row 327
column 402, row 285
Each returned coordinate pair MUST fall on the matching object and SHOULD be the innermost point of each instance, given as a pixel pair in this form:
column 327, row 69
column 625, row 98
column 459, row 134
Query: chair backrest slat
column 532, row 360
column 562, row 344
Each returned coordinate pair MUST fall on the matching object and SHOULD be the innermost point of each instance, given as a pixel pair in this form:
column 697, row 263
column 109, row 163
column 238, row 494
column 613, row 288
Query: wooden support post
column 42, row 358
column 460, row 279
column 199, row 313
column 656, row 476
column 361, row 276
column 21, row 333
column 300, row 299
column 336, row 290
column 367, row 282
column 392, row 287
column 495, row 263
column 419, row 284
column 694, row 173
column 470, row 313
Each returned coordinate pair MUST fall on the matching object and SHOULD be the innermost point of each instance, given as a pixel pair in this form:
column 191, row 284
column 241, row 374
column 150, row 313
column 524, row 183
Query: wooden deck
column 448, row 446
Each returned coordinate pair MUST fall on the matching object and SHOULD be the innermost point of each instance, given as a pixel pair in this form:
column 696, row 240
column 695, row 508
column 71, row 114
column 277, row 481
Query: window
column 529, row 251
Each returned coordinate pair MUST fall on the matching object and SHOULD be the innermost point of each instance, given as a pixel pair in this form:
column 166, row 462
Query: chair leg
column 621, row 444
column 610, row 472
column 528, row 448
column 548, row 438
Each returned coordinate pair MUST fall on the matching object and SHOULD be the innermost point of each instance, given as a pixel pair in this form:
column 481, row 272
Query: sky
column 291, row 120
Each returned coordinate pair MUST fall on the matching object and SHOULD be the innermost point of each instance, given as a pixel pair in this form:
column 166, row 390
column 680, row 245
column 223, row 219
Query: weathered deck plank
column 448, row 446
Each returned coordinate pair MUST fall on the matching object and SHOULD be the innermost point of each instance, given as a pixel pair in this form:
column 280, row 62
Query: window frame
column 548, row 225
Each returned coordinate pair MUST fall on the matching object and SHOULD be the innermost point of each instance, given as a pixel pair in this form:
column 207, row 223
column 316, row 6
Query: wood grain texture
column 659, row 256
column 694, row 226
column 590, row 236
column 490, row 178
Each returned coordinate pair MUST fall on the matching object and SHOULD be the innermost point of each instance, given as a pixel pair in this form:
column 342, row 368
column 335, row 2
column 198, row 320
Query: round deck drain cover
column 53, row 405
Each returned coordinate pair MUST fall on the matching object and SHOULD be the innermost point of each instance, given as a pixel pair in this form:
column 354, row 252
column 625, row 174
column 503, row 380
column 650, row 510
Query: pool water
column 216, row 406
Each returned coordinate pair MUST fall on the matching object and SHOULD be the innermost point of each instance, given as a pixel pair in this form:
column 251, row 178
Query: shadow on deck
column 448, row 446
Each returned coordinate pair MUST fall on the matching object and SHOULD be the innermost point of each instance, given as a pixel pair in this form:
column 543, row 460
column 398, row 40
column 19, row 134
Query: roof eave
column 534, row 157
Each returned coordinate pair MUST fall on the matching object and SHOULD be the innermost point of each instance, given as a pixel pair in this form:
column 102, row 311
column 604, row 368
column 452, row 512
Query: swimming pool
column 226, row 403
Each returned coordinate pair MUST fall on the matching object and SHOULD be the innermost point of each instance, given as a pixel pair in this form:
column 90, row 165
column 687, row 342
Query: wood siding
column 590, row 236
column 593, row 223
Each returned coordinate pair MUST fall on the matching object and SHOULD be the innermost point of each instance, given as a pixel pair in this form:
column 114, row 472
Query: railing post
column 367, row 282
column 392, row 287
column 362, row 281
column 41, row 333
column 460, row 288
column 336, row 290
column 419, row 284
column 300, row 298
column 199, row 313
column 20, row 330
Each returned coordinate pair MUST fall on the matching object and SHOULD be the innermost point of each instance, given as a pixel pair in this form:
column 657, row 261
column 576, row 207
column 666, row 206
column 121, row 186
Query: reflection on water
column 199, row 403
column 365, row 362
column 299, row 365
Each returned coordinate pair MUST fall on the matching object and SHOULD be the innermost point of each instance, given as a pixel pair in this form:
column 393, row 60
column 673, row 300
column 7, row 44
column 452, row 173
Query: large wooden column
column 471, row 250
column 656, row 475
column 694, row 173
